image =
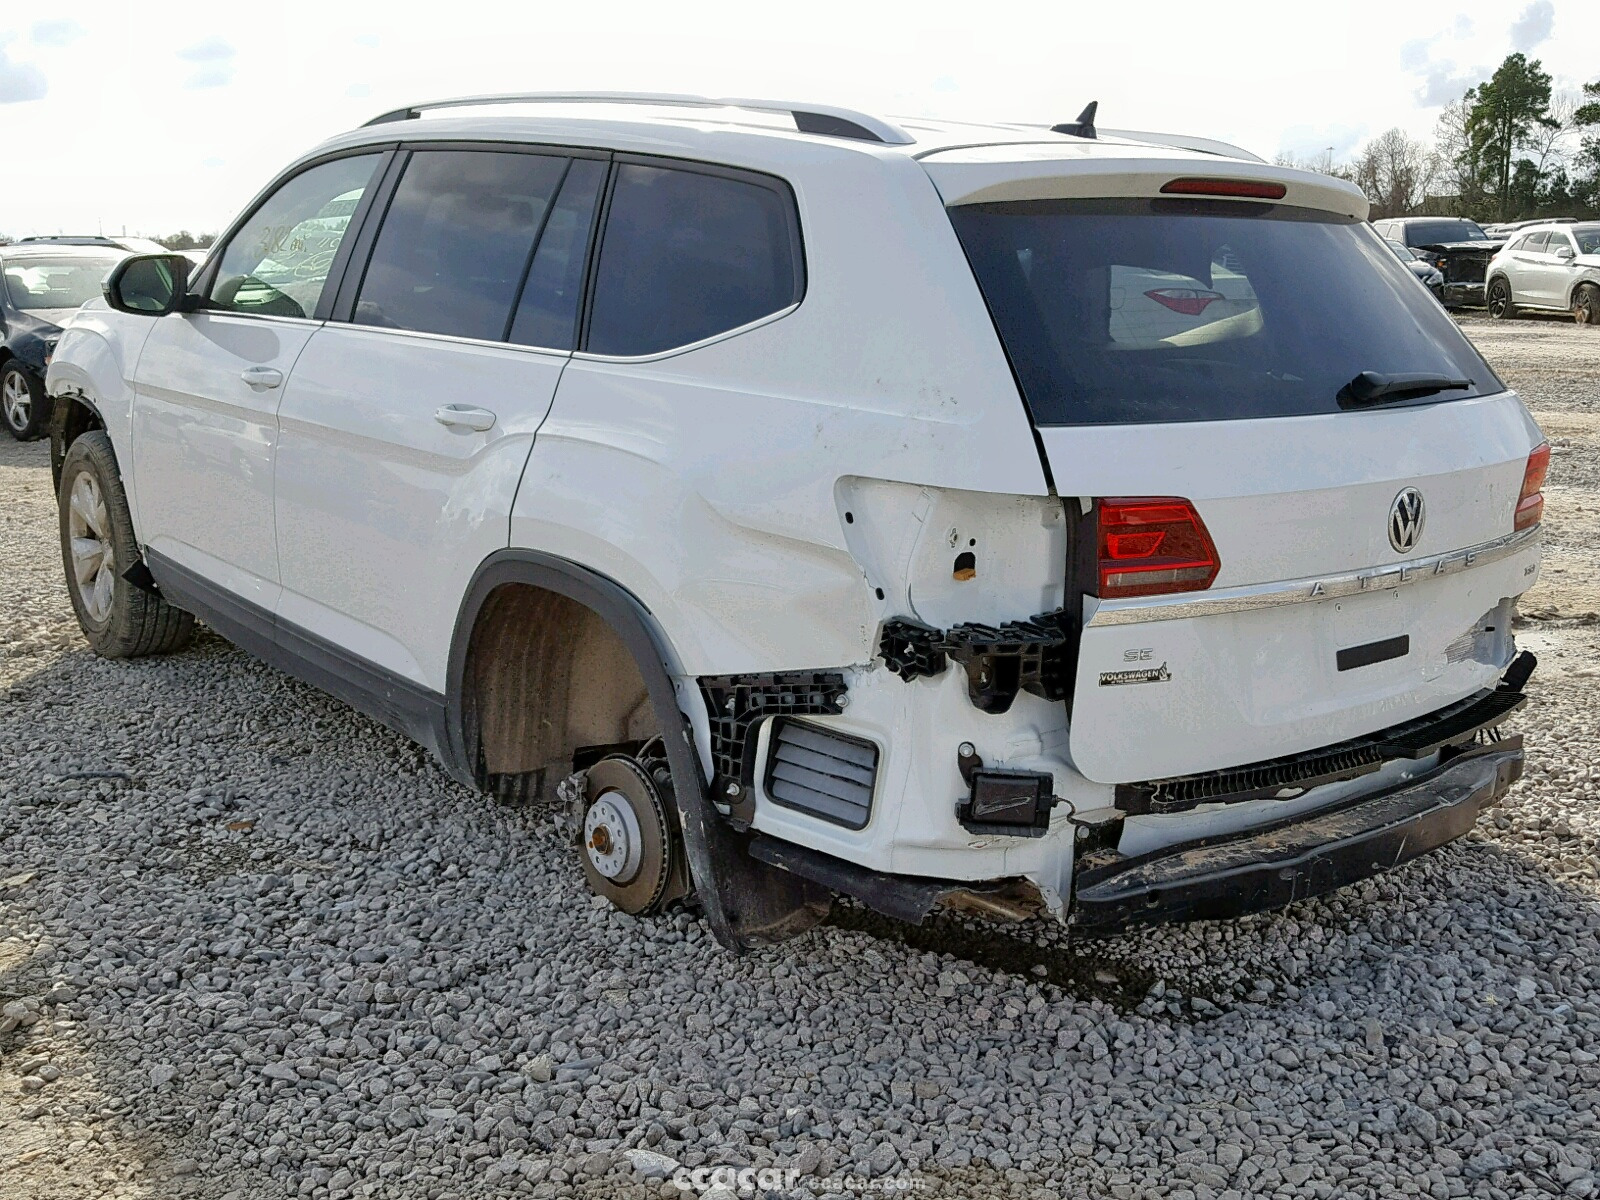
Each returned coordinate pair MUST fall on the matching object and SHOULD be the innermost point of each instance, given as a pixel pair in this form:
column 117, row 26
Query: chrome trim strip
column 1300, row 591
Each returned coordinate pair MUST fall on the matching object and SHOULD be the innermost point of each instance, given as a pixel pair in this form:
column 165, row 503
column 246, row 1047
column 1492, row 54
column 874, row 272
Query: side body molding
column 746, row 902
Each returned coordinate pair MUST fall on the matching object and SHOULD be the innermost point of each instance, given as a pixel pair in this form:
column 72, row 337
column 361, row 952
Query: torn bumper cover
column 1262, row 869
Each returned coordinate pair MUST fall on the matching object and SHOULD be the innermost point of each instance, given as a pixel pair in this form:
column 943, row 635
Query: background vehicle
column 1548, row 268
column 133, row 245
column 1510, row 227
column 41, row 285
column 1457, row 247
column 809, row 492
column 1431, row 276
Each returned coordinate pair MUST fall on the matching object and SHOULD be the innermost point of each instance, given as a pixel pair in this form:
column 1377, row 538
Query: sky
column 164, row 115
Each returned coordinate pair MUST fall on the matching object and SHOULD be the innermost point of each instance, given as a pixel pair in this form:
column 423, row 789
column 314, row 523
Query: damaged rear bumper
column 1268, row 868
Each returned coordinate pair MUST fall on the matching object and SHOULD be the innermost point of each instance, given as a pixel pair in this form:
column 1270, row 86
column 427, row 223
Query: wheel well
column 70, row 418
column 545, row 678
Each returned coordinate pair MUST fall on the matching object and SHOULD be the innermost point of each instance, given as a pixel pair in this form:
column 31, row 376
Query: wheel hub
column 94, row 563
column 611, row 837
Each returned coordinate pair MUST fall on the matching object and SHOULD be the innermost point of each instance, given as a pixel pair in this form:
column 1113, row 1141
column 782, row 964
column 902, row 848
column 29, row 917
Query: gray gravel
column 254, row 946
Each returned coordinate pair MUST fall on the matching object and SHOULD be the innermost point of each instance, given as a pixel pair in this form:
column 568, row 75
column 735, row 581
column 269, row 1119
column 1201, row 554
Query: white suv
column 944, row 515
column 1552, row 267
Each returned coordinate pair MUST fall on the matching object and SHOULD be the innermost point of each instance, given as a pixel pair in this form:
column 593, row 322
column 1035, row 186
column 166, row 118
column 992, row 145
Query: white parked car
column 987, row 517
column 1551, row 268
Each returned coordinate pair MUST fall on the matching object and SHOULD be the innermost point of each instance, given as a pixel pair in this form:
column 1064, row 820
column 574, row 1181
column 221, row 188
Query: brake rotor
column 627, row 839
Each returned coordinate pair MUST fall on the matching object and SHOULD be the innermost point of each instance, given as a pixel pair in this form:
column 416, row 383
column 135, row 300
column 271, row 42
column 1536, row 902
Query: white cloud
column 215, row 57
column 57, row 33
column 1534, row 25
column 19, row 81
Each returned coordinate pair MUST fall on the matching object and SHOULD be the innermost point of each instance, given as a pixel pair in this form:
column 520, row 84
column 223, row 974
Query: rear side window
column 1537, row 243
column 687, row 255
column 456, row 242
column 1125, row 311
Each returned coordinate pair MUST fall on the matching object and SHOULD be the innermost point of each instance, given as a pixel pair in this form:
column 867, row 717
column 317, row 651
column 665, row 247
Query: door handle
column 462, row 416
column 262, row 378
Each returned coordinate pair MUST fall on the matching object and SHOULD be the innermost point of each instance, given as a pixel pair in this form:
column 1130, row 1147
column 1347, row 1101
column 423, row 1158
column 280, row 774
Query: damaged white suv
column 943, row 515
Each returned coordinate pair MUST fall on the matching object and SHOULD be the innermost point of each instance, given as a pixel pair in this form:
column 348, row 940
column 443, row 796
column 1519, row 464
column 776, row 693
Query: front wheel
column 97, row 547
column 1500, row 306
column 1586, row 305
column 21, row 402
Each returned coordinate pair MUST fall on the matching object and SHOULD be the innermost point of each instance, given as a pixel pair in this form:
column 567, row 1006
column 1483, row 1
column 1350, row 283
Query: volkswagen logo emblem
column 1405, row 520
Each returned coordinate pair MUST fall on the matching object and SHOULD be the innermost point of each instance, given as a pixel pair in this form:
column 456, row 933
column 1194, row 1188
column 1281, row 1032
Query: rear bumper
column 1267, row 868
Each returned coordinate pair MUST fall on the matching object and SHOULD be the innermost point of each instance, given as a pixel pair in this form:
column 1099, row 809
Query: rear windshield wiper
column 1374, row 387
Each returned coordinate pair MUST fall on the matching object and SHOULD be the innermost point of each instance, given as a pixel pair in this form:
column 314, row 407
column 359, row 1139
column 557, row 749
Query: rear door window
column 1123, row 311
column 688, row 254
column 457, row 241
column 547, row 314
column 1537, row 243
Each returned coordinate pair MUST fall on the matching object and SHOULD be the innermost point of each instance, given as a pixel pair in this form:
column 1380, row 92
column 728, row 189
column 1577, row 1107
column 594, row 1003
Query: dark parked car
column 1457, row 247
column 1419, row 266
column 41, row 285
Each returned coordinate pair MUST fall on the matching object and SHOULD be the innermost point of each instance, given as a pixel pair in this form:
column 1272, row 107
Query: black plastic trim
column 907, row 898
column 1329, row 764
column 401, row 704
column 1354, row 657
column 1267, row 868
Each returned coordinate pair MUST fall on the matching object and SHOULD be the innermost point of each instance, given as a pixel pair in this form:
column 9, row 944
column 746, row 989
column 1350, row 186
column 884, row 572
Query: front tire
column 97, row 547
column 1499, row 301
column 1586, row 305
column 22, row 402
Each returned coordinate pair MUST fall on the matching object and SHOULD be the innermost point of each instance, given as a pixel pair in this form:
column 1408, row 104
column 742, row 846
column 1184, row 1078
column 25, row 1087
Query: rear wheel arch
column 522, row 600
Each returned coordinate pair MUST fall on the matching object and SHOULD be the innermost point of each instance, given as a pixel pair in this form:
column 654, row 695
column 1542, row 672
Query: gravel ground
column 254, row 946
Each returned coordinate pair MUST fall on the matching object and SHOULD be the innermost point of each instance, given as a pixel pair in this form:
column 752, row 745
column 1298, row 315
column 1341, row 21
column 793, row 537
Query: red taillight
column 1253, row 188
column 1530, row 504
column 1154, row 544
column 1191, row 302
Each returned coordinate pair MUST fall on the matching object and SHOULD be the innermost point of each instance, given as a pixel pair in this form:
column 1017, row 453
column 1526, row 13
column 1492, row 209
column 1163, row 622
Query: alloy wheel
column 16, row 401
column 94, row 562
column 1499, row 300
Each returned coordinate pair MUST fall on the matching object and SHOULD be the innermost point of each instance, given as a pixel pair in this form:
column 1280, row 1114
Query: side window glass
column 454, row 246
column 278, row 261
column 547, row 314
column 1537, row 243
column 687, row 255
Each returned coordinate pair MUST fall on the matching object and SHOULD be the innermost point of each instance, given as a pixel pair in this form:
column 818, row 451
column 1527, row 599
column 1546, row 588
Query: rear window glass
column 687, row 255
column 1125, row 311
column 1430, row 233
column 43, row 283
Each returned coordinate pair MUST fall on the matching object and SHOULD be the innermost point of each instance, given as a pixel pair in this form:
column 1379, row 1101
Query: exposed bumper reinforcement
column 1268, row 868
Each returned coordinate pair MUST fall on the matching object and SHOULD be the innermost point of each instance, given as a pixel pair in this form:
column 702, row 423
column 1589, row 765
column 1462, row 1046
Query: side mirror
column 1565, row 252
column 151, row 285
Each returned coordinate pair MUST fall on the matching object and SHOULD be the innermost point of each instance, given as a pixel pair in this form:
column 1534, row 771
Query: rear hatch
column 1313, row 568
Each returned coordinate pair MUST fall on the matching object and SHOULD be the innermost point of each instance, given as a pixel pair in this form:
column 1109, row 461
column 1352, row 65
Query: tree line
column 1509, row 149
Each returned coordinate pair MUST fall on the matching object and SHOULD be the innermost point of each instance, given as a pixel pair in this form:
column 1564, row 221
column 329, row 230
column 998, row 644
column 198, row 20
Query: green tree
column 1586, row 163
column 1502, row 117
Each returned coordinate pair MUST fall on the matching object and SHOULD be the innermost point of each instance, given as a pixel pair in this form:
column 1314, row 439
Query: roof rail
column 808, row 118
